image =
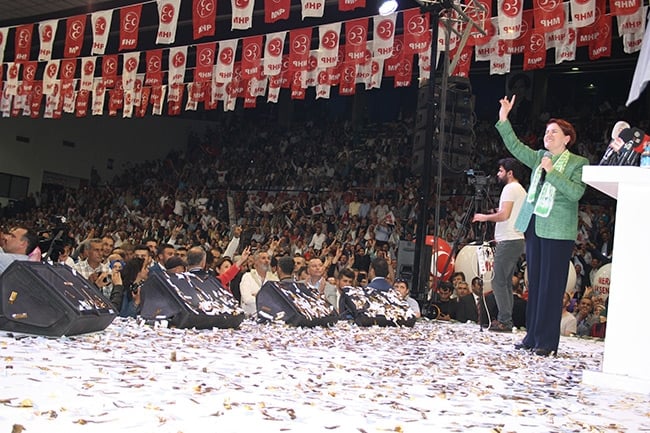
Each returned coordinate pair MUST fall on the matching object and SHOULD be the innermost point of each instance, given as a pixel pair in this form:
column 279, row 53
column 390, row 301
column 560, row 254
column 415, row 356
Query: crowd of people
column 237, row 200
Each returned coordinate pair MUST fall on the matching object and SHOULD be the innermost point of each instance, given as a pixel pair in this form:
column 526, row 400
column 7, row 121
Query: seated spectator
column 93, row 269
column 17, row 244
column 568, row 324
column 378, row 274
column 585, row 317
column 125, row 296
column 175, row 265
column 402, row 287
column 447, row 307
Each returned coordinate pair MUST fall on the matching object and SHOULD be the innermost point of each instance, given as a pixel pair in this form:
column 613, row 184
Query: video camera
column 478, row 178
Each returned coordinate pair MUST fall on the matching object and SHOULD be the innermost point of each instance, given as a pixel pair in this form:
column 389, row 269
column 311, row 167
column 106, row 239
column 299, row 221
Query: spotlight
column 387, row 7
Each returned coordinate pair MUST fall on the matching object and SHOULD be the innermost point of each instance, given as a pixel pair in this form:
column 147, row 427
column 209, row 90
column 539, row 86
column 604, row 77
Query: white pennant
column 632, row 24
column 328, row 48
column 510, row 13
column 46, row 32
column 384, row 35
column 191, row 104
column 130, row 62
column 217, row 90
column 70, row 99
column 127, row 108
column 226, row 60
column 101, row 22
column 99, row 95
column 273, row 53
column 377, row 71
column 87, row 73
column 4, row 31
column 13, row 70
column 583, row 12
column 312, row 8
column 167, row 20
column 158, row 105
column 242, row 14
column 566, row 49
column 5, row 103
column 139, row 81
column 177, row 62
column 49, row 76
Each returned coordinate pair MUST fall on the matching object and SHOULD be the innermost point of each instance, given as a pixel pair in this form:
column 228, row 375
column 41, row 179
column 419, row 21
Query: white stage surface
column 433, row 377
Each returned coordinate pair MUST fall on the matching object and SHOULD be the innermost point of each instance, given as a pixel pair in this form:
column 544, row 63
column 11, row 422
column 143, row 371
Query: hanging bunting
column 350, row 5
column 632, row 28
column 549, row 15
column 510, row 14
column 36, row 99
column 251, row 57
column 99, row 94
column 130, row 62
column 417, row 36
column 628, row 7
column 276, row 10
column 484, row 20
column 601, row 45
column 67, row 75
column 566, row 49
column 74, row 36
column 4, row 31
column 226, row 60
column 50, row 76
column 273, row 53
column 154, row 75
column 205, row 62
column 323, row 84
column 364, row 70
column 204, row 17
column 299, row 44
column 29, row 74
column 583, row 12
column 69, row 97
column 377, row 73
column 158, row 99
column 312, row 66
column 109, row 70
column 356, row 36
column 312, row 8
column 391, row 63
column 81, row 106
column 242, row 14
column 13, row 70
column 46, row 32
column 23, row 42
column 87, row 73
column 176, row 68
column 383, row 35
column 329, row 38
column 144, row 102
column 137, row 87
column 129, row 26
column 535, row 51
column 101, row 23
column 403, row 75
column 518, row 45
column 168, row 11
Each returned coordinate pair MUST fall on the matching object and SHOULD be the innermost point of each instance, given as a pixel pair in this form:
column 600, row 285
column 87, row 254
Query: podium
column 627, row 352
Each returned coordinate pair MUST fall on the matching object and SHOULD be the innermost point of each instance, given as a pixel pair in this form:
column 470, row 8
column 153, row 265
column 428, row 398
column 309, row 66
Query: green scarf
column 546, row 195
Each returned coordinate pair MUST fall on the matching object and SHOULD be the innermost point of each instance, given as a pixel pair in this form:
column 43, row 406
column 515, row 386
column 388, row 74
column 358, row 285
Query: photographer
column 93, row 269
column 125, row 296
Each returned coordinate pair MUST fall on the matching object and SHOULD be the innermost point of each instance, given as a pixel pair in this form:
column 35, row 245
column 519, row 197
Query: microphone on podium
column 611, row 153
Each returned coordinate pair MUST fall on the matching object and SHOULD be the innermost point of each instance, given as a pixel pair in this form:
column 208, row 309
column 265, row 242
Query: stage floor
column 434, row 377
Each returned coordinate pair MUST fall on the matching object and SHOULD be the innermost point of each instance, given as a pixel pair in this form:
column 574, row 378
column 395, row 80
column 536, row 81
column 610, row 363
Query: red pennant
column 129, row 26
column 23, row 43
column 81, row 104
column 204, row 18
column 67, row 73
column 144, row 102
column 204, row 61
column 464, row 61
column 153, row 75
column 549, row 15
column 535, row 52
column 349, row 5
column 347, row 83
column 356, row 36
column 391, row 64
column 601, row 46
column 251, row 56
column 629, row 7
column 417, row 34
column 37, row 99
column 518, row 46
column 300, row 44
column 276, row 10
column 404, row 71
column 74, row 36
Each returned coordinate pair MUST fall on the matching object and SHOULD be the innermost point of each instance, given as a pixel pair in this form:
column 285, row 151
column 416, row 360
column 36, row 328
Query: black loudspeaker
column 51, row 300
column 188, row 301
column 294, row 304
column 370, row 307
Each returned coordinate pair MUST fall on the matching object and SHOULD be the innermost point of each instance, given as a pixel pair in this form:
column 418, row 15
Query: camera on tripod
column 478, row 178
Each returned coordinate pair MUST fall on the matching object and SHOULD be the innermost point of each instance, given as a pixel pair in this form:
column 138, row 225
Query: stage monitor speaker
column 51, row 300
column 294, row 304
column 187, row 301
column 371, row 307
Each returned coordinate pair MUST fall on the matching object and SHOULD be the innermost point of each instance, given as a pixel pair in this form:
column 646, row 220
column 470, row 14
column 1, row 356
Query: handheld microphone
column 542, row 178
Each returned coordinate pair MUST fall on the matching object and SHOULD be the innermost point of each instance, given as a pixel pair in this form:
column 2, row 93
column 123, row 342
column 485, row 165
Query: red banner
column 204, row 18
column 356, row 37
column 628, row 7
column 417, row 34
column 535, row 52
column 129, row 26
column 276, row 10
column 349, row 5
column 299, row 45
column 109, row 70
column 204, row 61
column 23, row 43
column 549, row 15
column 37, row 99
column 153, row 74
column 74, row 36
column 81, row 105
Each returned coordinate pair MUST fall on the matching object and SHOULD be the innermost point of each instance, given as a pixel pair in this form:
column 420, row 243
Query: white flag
column 70, row 99
column 328, row 48
column 510, row 13
column 565, row 50
column 130, row 62
column 383, row 36
column 632, row 24
column 226, row 60
column 167, row 20
column 583, row 12
column 242, row 14
column 273, row 53
column 87, row 73
column 101, row 22
column 177, row 62
column 377, row 69
column 312, row 8
column 99, row 94
column 49, row 76
column 158, row 101
column 13, row 69
column 4, row 31
column 46, row 32
column 217, row 90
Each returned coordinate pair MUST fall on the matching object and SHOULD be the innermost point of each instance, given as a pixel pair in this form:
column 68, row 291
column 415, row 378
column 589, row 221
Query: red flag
column 251, row 57
column 74, row 35
column 81, row 106
column 518, row 46
column 349, row 5
column 153, row 75
column 549, row 15
column 68, row 69
column 204, row 17
column 417, row 35
column 109, row 70
column 276, row 10
column 464, row 61
column 23, row 42
column 29, row 73
column 590, row 33
column 601, row 46
column 129, row 26
column 37, row 99
column 404, row 71
column 391, row 63
column 629, row 7
column 535, row 51
column 299, row 45
column 347, row 84
column 484, row 20
column 204, row 61
column 356, row 36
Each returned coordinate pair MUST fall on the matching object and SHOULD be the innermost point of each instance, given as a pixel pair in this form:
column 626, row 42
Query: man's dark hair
column 380, row 265
column 195, row 256
column 163, row 247
column 32, row 240
column 285, row 265
column 511, row 164
column 346, row 272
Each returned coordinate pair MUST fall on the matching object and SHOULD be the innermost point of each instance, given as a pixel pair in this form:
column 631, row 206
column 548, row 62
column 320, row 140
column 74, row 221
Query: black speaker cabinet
column 188, row 301
column 370, row 307
column 294, row 304
column 51, row 300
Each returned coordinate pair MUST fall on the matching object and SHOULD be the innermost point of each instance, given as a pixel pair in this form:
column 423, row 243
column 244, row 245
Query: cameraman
column 510, row 242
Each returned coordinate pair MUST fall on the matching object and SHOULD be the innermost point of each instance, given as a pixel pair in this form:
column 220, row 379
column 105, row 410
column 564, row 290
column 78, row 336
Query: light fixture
column 388, row 7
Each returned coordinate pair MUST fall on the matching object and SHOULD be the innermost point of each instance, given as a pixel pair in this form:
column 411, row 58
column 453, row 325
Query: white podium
column 626, row 360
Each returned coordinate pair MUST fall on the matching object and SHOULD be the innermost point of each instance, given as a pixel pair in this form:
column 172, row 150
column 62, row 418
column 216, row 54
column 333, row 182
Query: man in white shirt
column 510, row 242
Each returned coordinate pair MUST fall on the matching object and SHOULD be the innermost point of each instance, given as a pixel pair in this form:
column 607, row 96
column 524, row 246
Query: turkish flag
column 46, row 32
column 23, row 44
column 417, row 34
column 356, row 36
column 153, row 74
column 273, row 53
column 204, row 18
column 299, row 45
column 129, row 27
column 204, row 62
column 251, row 56
column 109, row 70
column 349, row 5
column 167, row 20
column 242, row 14
column 101, row 23
column 276, row 10
column 74, row 36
